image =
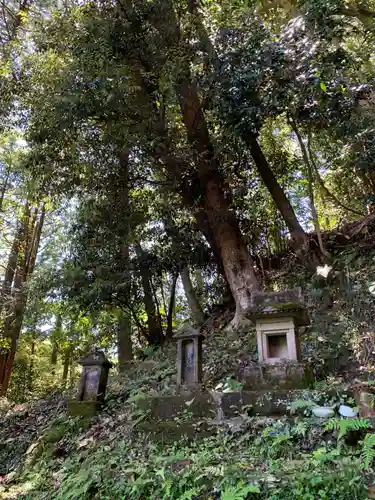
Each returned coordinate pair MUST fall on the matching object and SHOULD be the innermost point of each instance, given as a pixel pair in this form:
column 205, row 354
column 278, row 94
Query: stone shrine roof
column 187, row 331
column 95, row 358
column 288, row 303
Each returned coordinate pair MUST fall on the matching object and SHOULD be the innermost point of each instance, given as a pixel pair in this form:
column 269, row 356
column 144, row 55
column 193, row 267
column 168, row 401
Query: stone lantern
column 277, row 317
column 189, row 356
column 94, row 377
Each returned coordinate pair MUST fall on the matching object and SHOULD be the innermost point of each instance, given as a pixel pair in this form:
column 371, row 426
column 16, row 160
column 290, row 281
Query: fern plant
column 368, row 450
column 301, row 404
column 344, row 426
column 239, row 492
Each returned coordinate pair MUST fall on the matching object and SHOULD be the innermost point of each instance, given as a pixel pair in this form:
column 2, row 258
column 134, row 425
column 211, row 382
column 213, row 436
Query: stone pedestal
column 189, row 356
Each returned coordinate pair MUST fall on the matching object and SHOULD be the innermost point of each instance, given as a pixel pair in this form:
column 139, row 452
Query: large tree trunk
column 155, row 334
column 237, row 262
column 124, row 341
column 297, row 233
column 13, row 258
column 194, row 305
column 13, row 321
column 299, row 237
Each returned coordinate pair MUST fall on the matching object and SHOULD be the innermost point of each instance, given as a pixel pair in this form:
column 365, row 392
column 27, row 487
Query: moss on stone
column 169, row 431
column 86, row 409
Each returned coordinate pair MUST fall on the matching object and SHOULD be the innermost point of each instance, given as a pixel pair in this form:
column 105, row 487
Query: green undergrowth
column 263, row 458
column 44, row 454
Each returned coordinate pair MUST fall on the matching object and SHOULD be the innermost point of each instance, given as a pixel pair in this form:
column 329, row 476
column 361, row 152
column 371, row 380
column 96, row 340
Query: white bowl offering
column 323, row 411
column 347, row 411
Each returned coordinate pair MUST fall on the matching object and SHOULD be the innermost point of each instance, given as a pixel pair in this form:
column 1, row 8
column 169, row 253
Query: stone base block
column 253, row 403
column 283, row 375
column 170, row 431
column 196, row 404
column 83, row 408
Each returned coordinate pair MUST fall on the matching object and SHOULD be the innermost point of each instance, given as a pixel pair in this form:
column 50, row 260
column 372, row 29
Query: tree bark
column 124, row 341
column 67, row 355
column 3, row 189
column 199, row 282
column 237, row 262
column 13, row 258
column 171, row 307
column 155, row 334
column 194, row 305
column 56, row 336
column 13, row 321
column 310, row 182
column 54, row 353
column 298, row 235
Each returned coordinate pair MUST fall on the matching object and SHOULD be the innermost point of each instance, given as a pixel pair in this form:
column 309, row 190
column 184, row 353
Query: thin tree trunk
column 31, row 367
column 3, row 189
column 154, row 330
column 67, row 355
column 56, row 336
column 298, row 235
column 310, row 180
column 12, row 328
column 13, row 258
column 194, row 305
column 324, row 188
column 54, row 353
column 124, row 341
column 171, row 307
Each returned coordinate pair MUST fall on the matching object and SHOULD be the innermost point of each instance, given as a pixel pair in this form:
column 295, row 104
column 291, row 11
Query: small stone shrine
column 92, row 384
column 189, row 356
column 277, row 317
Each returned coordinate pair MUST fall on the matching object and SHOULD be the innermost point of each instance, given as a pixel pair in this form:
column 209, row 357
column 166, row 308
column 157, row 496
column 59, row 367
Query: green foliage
column 368, row 450
column 344, row 426
column 239, row 492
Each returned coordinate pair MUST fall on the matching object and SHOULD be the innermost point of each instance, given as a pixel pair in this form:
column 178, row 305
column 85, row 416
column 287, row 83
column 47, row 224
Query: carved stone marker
column 277, row 316
column 189, row 356
column 94, row 377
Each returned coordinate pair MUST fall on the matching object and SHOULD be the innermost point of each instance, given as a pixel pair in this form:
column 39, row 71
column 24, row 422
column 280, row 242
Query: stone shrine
column 189, row 356
column 277, row 317
column 94, row 377
column 92, row 384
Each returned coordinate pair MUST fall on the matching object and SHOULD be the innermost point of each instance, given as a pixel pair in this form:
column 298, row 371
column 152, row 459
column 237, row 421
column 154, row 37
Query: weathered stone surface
column 83, row 408
column 282, row 375
column 169, row 407
column 170, row 431
column 288, row 303
column 263, row 403
column 94, row 377
column 189, row 356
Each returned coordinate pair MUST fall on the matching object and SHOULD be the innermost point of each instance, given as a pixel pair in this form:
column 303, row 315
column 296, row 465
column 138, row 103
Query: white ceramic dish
column 323, row 411
column 347, row 411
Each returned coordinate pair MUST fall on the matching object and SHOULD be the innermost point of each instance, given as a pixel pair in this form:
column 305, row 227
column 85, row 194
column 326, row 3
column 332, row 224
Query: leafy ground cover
column 45, row 453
